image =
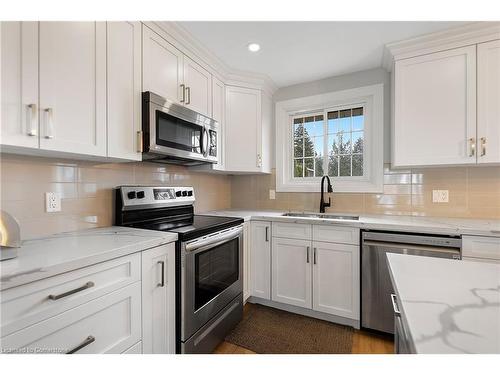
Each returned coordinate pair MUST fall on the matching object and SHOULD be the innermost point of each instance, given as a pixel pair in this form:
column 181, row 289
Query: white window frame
column 371, row 98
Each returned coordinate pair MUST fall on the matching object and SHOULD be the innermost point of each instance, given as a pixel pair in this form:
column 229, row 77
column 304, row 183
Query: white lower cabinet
column 260, row 259
column 292, row 272
column 158, row 300
column 336, row 279
column 109, row 324
column 481, row 248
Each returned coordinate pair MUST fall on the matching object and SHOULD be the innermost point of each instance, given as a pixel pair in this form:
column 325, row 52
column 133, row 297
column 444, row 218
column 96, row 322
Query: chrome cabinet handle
column 483, row 146
column 267, row 234
column 395, row 305
column 49, row 126
column 30, row 118
column 314, row 255
column 307, row 254
column 162, row 282
column 89, row 340
column 188, row 91
column 259, row 160
column 139, row 141
column 55, row 297
column 472, row 147
column 183, row 88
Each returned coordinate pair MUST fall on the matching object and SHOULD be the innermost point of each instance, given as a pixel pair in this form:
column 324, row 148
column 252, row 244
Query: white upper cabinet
column 248, row 132
column 124, row 89
column 336, row 279
column 435, row 109
column 218, row 114
column 198, row 87
column 488, row 102
column 162, row 67
column 19, row 81
column 292, row 272
column 72, row 66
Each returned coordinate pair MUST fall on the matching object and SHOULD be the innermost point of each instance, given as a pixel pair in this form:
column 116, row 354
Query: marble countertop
column 448, row 306
column 45, row 257
column 435, row 225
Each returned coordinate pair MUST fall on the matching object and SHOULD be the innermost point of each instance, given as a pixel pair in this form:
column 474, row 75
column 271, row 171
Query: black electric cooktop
column 194, row 226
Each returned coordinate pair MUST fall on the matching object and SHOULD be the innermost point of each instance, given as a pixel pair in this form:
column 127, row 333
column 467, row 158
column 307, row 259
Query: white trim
column 461, row 36
column 372, row 98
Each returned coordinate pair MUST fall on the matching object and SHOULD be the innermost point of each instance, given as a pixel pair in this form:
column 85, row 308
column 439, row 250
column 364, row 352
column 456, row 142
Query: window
column 341, row 155
column 339, row 134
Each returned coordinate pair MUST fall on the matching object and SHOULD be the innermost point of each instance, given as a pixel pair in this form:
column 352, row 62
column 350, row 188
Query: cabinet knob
column 472, row 147
column 483, row 146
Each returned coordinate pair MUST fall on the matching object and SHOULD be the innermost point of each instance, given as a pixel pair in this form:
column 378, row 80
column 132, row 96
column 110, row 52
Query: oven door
column 211, row 277
column 180, row 132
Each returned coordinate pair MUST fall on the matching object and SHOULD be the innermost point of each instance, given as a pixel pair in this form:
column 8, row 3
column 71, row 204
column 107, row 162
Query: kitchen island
column 446, row 306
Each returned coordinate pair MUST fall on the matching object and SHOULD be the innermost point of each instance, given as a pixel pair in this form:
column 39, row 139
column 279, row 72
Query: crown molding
column 472, row 33
column 186, row 42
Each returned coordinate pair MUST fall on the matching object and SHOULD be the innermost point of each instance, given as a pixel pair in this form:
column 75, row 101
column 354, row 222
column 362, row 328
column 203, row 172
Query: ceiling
column 296, row 52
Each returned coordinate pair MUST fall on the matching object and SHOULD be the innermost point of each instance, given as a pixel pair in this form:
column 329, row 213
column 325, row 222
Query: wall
column 474, row 192
column 86, row 190
column 345, row 82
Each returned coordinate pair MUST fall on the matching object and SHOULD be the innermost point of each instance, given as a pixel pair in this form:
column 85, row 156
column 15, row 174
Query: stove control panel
column 157, row 195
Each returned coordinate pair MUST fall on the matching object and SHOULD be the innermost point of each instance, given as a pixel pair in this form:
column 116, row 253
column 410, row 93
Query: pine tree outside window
column 330, row 141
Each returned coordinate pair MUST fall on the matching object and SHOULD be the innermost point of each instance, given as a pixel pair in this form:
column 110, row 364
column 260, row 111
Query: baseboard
column 307, row 312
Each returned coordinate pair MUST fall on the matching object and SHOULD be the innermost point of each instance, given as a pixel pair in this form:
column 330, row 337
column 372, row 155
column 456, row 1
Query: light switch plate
column 52, row 202
column 440, row 196
column 272, row 194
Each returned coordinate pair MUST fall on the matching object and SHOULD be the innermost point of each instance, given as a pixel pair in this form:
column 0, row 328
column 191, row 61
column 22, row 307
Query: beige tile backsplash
column 86, row 190
column 474, row 192
column 87, row 201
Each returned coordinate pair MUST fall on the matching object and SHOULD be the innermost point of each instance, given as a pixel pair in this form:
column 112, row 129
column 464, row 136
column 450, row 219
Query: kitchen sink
column 321, row 216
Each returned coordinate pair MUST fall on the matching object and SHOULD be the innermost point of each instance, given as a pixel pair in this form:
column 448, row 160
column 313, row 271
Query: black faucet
column 322, row 203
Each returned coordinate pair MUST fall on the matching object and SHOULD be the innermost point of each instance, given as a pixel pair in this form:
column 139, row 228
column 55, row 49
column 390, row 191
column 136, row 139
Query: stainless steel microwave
column 175, row 134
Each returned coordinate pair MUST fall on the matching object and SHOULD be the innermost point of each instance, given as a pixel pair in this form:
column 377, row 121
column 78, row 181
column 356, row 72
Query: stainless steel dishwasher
column 376, row 287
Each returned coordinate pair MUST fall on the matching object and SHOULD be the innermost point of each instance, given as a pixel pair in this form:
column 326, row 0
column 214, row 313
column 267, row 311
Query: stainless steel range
column 209, row 286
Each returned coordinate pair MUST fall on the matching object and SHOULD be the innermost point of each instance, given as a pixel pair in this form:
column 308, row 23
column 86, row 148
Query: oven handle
column 216, row 240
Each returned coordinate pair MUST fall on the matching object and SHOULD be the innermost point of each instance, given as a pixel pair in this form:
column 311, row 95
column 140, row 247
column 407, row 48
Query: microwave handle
column 204, row 143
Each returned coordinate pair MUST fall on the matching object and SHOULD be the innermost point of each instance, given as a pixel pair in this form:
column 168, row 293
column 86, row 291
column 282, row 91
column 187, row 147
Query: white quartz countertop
column 45, row 257
column 435, row 225
column 448, row 306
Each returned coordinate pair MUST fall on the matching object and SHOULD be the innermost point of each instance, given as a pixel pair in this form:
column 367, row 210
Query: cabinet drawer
column 481, row 247
column 108, row 324
column 30, row 303
column 481, row 260
column 292, row 230
column 336, row 233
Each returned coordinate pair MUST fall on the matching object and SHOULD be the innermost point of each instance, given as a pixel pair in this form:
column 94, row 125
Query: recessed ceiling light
column 253, row 47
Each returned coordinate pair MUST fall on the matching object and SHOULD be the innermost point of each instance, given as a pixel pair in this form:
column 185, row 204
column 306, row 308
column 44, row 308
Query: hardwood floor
column 363, row 342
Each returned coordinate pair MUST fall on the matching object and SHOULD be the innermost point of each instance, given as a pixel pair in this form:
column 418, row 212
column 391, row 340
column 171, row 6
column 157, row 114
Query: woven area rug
column 266, row 330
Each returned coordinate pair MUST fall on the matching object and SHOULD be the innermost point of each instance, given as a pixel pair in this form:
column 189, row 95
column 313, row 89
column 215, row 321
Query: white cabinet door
column 72, row 66
column 266, row 136
column 260, row 259
column 246, row 261
column 218, row 114
column 198, row 82
column 162, row 66
column 243, row 127
column 481, row 247
column 488, row 102
column 19, row 81
column 158, row 300
column 124, row 89
column 435, row 109
column 336, row 279
column 291, row 272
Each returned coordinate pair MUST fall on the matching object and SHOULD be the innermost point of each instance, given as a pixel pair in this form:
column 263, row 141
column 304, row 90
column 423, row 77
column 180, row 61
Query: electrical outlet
column 440, row 196
column 52, row 202
column 272, row 194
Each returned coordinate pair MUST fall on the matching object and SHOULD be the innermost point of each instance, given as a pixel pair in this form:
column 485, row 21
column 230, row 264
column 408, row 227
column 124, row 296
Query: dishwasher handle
column 403, row 246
